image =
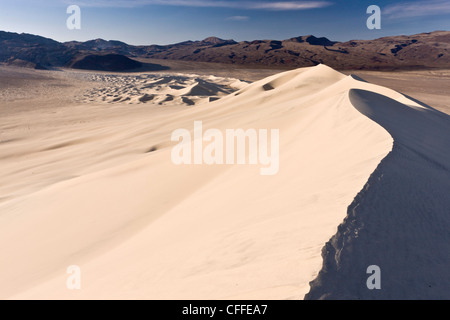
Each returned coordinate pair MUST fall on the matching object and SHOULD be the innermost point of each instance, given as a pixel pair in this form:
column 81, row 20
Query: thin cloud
column 294, row 5
column 249, row 5
column 417, row 9
column 238, row 18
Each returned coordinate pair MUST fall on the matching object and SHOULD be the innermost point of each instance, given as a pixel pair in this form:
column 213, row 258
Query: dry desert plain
column 87, row 180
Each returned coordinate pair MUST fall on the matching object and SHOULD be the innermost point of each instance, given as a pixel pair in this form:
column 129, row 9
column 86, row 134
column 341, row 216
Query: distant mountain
column 426, row 50
column 99, row 45
column 217, row 42
column 33, row 50
column 400, row 52
column 313, row 41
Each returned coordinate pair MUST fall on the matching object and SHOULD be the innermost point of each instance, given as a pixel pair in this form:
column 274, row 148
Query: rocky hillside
column 107, row 62
column 33, row 51
column 426, row 50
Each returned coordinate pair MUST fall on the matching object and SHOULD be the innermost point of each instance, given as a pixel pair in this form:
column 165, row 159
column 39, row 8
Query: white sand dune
column 400, row 221
column 143, row 228
column 160, row 89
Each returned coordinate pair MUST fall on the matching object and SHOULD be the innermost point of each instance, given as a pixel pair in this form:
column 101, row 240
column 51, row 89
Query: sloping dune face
column 400, row 220
column 151, row 229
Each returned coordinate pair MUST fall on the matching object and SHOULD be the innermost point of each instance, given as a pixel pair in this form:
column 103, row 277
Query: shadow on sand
column 400, row 220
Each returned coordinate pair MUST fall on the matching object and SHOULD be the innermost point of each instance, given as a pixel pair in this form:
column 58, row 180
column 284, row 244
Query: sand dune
column 141, row 227
column 400, row 219
column 164, row 89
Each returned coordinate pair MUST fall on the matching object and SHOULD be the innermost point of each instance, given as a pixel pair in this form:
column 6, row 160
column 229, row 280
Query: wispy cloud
column 417, row 9
column 255, row 5
column 238, row 18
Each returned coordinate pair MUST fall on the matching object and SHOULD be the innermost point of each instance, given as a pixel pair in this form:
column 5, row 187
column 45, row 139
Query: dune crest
column 148, row 229
column 399, row 221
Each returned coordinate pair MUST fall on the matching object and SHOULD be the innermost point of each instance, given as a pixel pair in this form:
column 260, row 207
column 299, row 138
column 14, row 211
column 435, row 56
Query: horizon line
column 231, row 39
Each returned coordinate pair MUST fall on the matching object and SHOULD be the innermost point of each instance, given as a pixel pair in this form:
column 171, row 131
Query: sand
column 92, row 184
column 428, row 86
column 161, row 89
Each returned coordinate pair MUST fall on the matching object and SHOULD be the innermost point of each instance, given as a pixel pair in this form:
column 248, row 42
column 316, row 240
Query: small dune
column 161, row 89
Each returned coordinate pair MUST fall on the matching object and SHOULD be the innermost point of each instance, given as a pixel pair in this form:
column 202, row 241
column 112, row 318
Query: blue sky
column 171, row 21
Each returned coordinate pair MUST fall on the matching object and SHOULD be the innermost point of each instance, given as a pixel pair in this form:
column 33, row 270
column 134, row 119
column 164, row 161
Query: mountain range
column 425, row 50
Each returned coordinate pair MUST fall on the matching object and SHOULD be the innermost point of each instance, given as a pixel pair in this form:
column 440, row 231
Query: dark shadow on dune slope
column 424, row 105
column 400, row 221
column 354, row 76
